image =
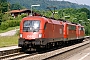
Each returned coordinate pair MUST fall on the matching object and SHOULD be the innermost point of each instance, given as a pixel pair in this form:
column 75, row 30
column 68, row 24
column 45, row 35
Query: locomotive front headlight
column 40, row 35
column 20, row 35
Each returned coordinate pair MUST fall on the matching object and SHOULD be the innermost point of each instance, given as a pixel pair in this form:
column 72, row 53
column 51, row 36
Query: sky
column 86, row 2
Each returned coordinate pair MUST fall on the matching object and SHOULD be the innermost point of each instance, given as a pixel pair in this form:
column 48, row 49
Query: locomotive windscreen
column 31, row 26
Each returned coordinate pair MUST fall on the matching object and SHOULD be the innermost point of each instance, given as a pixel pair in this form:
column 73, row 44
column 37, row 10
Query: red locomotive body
column 69, row 31
column 40, row 31
column 80, row 31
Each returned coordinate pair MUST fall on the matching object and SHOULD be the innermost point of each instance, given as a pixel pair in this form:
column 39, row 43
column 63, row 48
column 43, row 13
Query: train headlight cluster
column 40, row 35
column 20, row 35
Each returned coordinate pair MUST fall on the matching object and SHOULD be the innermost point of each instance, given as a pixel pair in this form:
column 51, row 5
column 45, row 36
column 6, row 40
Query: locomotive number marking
column 30, row 36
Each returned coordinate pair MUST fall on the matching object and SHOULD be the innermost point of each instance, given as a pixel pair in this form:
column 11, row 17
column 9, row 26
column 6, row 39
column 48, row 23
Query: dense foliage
column 45, row 3
column 9, row 23
column 16, row 6
column 81, row 15
column 3, row 6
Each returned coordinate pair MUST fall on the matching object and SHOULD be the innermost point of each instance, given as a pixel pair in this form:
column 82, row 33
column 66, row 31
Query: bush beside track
column 9, row 23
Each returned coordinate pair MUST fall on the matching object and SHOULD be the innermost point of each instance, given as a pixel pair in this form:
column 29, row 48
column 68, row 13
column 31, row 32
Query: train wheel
column 81, row 40
column 47, row 45
column 24, row 49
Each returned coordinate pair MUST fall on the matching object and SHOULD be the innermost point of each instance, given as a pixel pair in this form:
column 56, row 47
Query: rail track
column 16, row 56
column 52, row 54
column 62, row 53
column 70, row 51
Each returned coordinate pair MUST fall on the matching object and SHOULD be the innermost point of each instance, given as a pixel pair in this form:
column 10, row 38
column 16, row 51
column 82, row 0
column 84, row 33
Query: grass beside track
column 11, row 28
column 8, row 41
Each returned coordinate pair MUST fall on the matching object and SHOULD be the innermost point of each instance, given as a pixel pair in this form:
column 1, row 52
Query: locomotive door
column 48, row 30
column 79, row 31
column 66, row 31
column 53, row 30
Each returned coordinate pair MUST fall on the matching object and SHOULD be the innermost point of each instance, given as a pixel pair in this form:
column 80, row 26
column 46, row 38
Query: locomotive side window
column 82, row 28
column 31, row 26
column 45, row 26
column 71, row 27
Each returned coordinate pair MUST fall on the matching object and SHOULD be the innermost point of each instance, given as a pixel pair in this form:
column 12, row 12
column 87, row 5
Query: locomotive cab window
column 31, row 26
column 45, row 26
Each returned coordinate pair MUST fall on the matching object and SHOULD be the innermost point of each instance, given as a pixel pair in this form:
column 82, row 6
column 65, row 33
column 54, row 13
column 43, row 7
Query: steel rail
column 16, row 54
column 61, row 53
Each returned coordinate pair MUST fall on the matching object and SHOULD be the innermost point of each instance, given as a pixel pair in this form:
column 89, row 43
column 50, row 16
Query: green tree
column 3, row 6
column 85, row 10
column 15, row 6
column 1, row 18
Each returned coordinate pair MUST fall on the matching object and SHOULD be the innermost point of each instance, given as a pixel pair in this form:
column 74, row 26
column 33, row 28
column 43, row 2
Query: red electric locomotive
column 39, row 31
column 69, row 31
column 80, row 31
column 73, row 33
